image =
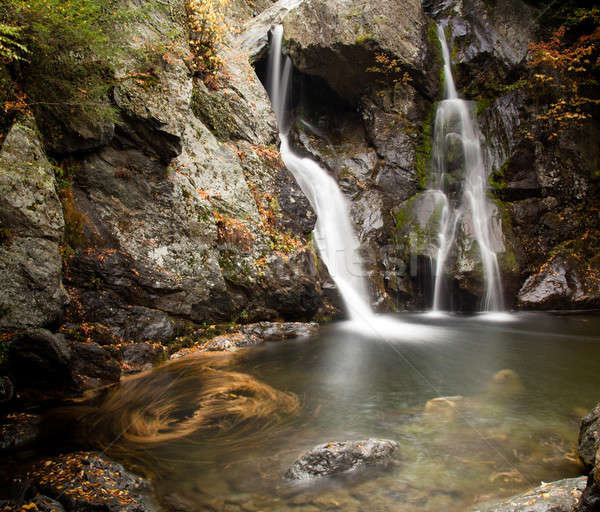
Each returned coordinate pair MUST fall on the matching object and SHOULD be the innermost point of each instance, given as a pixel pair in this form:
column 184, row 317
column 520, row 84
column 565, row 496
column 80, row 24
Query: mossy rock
column 215, row 111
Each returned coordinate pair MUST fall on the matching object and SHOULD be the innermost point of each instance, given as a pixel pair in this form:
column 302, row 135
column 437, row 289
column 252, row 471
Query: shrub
column 567, row 71
column 59, row 54
column 208, row 27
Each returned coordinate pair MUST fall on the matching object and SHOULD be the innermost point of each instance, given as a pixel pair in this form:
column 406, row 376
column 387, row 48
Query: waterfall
column 334, row 235
column 456, row 131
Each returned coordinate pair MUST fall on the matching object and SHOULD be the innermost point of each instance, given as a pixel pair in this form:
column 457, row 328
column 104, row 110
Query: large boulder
column 38, row 359
column 589, row 453
column 340, row 457
column 32, row 227
column 589, row 437
column 563, row 280
column 338, row 40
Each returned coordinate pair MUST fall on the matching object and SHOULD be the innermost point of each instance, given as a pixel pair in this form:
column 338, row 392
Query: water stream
column 334, row 234
column 460, row 190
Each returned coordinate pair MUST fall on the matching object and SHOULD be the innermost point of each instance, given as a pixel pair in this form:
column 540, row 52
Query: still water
column 498, row 434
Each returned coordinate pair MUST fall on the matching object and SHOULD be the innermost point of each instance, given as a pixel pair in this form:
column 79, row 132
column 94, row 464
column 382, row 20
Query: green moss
column 214, row 111
column 423, row 150
column 497, row 180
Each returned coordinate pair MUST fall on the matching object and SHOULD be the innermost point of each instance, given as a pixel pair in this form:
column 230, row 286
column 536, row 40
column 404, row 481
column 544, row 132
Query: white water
column 334, row 235
column 456, row 129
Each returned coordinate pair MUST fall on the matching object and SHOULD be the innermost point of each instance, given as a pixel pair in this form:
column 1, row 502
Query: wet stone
column 558, row 496
column 339, row 457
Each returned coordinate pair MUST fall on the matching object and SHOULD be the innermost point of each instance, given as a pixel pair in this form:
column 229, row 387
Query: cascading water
column 334, row 234
column 456, row 132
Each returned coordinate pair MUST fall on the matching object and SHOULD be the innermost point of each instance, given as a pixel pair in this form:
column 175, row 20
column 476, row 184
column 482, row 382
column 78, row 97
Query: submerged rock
column 339, row 457
column 558, row 496
column 90, row 481
column 444, row 407
column 505, row 383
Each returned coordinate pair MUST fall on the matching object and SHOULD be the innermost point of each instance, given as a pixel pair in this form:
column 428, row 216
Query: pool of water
column 497, row 434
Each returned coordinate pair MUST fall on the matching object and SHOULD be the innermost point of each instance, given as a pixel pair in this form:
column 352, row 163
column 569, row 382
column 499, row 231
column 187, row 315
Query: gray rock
column 560, row 496
column 39, row 359
column 32, row 228
column 589, row 437
column 255, row 334
column 231, row 342
column 561, row 281
column 255, row 38
column 45, row 504
column 142, row 356
column 91, row 481
column 338, row 40
column 92, row 366
column 176, row 205
column 276, row 331
column 589, row 453
column 590, row 499
column 339, row 457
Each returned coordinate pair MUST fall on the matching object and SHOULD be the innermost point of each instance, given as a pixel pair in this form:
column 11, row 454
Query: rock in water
column 443, row 408
column 505, row 384
column 589, row 437
column 339, row 457
column 589, row 452
column 558, row 496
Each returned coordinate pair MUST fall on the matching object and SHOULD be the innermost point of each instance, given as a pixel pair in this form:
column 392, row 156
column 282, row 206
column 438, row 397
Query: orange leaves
column 567, row 68
column 231, row 230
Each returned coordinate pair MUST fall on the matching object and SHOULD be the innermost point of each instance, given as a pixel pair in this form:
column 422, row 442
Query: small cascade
column 456, row 133
column 334, row 235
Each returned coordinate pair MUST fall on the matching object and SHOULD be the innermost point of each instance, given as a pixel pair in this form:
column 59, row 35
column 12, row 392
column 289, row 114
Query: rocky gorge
column 169, row 229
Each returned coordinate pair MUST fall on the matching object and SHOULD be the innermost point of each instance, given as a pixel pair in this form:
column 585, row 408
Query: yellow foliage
column 208, row 27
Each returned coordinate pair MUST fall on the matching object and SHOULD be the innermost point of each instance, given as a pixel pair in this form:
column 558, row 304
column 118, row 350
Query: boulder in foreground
column 340, row 457
column 560, row 496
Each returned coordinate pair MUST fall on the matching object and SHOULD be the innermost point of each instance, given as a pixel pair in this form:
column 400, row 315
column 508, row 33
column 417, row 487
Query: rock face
column 366, row 82
column 560, row 496
column 31, row 230
column 338, row 40
column 339, row 457
column 175, row 212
